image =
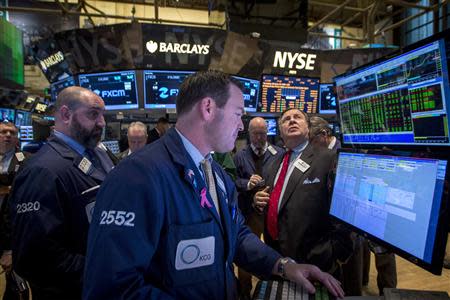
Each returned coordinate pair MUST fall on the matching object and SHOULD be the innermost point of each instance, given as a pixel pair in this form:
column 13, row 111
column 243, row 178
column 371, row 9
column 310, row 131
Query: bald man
column 137, row 138
column 53, row 197
column 250, row 163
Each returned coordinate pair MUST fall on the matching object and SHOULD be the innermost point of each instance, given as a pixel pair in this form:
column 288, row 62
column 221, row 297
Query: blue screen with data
column 161, row 88
column 396, row 199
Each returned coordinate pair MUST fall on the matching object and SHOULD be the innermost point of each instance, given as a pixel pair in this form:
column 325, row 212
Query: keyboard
column 287, row 290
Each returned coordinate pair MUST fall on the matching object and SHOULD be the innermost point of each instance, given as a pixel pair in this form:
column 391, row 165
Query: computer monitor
column 250, row 92
column 271, row 126
column 57, row 87
column 399, row 100
column 161, row 88
column 282, row 92
column 395, row 201
column 27, row 103
column 327, row 98
column 117, row 89
column 24, row 124
column 7, row 114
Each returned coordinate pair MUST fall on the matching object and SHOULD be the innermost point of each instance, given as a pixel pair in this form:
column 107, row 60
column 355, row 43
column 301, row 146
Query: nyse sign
column 299, row 61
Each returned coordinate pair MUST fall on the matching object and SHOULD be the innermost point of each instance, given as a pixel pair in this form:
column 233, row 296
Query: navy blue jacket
column 145, row 240
column 245, row 166
column 49, row 215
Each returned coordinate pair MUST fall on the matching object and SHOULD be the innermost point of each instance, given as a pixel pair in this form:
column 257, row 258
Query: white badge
column 301, row 165
column 85, row 165
column 89, row 210
column 20, row 157
column 195, row 253
column 272, row 150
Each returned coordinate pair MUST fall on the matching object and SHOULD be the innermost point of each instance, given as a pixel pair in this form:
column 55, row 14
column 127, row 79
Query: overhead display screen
column 327, row 99
column 282, row 92
column 403, row 100
column 57, row 87
column 161, row 88
column 250, row 92
column 117, row 89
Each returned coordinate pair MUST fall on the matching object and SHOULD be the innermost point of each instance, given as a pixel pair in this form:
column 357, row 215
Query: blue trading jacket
column 150, row 237
column 50, row 210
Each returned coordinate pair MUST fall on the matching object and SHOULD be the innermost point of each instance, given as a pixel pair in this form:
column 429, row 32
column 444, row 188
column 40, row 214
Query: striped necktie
column 207, row 170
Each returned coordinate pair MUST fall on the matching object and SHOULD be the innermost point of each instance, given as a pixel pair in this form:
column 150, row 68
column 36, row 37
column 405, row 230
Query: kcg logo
column 163, row 47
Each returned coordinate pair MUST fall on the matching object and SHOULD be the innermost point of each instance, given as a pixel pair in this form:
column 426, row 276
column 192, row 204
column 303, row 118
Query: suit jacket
column 245, row 166
column 306, row 232
column 153, row 135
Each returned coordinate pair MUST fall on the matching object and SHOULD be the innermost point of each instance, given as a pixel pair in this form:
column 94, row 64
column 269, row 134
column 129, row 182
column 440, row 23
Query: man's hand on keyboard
column 303, row 274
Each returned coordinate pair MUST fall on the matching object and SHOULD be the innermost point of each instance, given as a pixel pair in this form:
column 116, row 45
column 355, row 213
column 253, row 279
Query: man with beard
column 166, row 223
column 53, row 196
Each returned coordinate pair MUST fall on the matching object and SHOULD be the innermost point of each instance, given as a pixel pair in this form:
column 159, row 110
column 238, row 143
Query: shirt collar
column 299, row 149
column 256, row 150
column 70, row 142
column 332, row 143
column 193, row 152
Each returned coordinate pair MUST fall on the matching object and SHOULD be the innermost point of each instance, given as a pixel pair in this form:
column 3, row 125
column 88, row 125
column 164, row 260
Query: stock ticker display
column 282, row 92
column 250, row 91
column 117, row 89
column 403, row 100
column 327, row 99
column 161, row 88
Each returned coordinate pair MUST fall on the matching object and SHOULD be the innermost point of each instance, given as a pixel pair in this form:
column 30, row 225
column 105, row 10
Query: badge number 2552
column 119, row 218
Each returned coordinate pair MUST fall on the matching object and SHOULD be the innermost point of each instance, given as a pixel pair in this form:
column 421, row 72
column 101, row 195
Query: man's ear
column 207, row 107
column 65, row 113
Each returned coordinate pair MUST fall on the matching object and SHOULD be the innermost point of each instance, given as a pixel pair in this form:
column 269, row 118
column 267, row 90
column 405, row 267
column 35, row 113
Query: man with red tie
column 296, row 200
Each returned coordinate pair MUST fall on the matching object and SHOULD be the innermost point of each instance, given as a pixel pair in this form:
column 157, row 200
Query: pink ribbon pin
column 204, row 201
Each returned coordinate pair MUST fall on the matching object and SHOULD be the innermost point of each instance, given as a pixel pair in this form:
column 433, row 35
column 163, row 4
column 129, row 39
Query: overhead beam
column 92, row 15
column 393, row 26
column 407, row 4
column 352, row 8
column 319, row 34
column 329, row 15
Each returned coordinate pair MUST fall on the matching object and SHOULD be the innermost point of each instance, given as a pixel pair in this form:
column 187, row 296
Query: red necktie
column 272, row 214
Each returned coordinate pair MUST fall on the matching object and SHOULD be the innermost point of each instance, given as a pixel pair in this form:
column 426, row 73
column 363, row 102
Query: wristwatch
column 281, row 266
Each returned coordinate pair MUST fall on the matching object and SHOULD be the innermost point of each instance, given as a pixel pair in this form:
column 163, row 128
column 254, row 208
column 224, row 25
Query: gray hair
column 138, row 125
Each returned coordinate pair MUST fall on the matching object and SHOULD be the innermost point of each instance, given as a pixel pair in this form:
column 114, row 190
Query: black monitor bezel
column 110, row 107
column 144, row 89
column 292, row 76
column 435, row 266
column 438, row 147
column 258, row 94
column 320, row 111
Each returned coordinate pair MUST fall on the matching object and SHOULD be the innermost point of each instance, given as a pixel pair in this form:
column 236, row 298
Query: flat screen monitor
column 327, row 98
column 250, row 92
column 11, row 56
column 117, row 89
column 396, row 201
column 27, row 103
column 402, row 100
column 7, row 115
column 282, row 92
column 271, row 126
column 24, row 124
column 58, row 86
column 161, row 88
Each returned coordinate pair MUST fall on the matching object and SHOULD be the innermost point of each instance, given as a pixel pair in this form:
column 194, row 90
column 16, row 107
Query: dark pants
column 386, row 269
column 256, row 223
column 12, row 291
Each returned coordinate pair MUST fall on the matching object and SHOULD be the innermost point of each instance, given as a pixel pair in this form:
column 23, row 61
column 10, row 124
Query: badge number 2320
column 119, row 218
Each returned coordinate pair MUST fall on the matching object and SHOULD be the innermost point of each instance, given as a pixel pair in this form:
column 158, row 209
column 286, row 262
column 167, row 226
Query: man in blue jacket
column 166, row 223
column 53, row 195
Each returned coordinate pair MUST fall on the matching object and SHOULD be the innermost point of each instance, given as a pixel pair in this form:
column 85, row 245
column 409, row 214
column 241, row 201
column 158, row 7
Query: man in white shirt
column 137, row 138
